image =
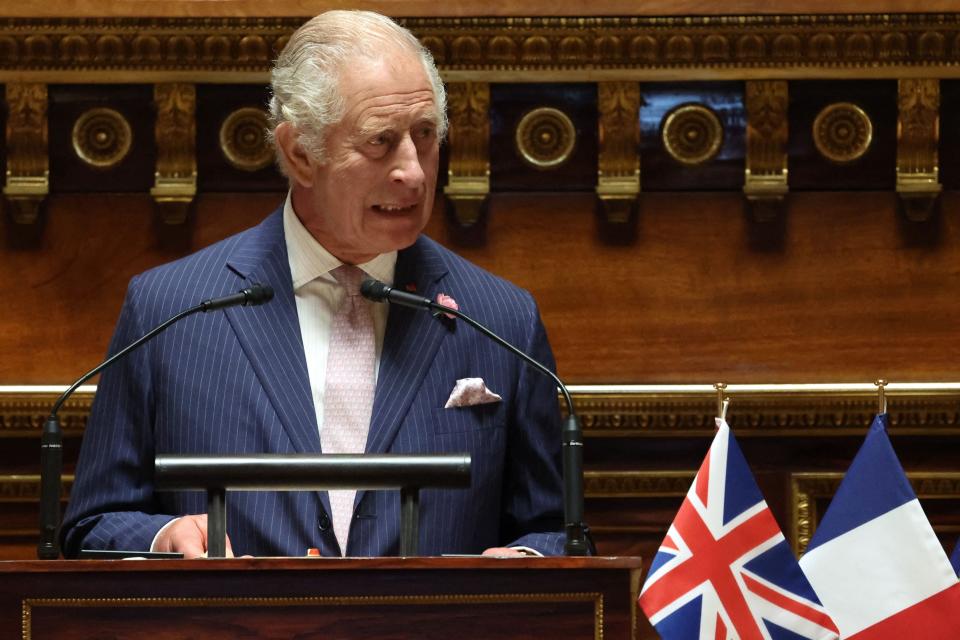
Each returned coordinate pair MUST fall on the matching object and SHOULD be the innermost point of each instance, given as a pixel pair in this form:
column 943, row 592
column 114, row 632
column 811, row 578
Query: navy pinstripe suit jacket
column 235, row 381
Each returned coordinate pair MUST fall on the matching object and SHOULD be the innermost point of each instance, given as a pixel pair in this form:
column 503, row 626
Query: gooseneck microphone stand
column 575, row 529
column 51, row 441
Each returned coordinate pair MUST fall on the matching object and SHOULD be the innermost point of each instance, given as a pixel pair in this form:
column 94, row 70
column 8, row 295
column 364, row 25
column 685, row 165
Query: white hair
column 306, row 77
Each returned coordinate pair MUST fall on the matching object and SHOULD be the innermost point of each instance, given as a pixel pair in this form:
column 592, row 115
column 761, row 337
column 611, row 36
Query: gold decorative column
column 468, row 175
column 28, row 165
column 618, row 165
column 918, row 134
column 175, row 182
column 765, row 183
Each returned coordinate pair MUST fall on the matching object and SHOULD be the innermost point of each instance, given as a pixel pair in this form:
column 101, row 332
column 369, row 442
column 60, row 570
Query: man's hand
column 187, row 535
column 505, row 552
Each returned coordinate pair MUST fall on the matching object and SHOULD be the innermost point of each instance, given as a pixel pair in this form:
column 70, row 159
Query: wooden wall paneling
column 692, row 136
column 101, row 138
column 233, row 155
column 841, row 131
column 544, row 138
column 846, row 295
column 948, row 159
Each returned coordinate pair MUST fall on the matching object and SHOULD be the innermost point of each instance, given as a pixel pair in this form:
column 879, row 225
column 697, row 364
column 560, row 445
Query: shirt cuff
column 153, row 545
column 527, row 551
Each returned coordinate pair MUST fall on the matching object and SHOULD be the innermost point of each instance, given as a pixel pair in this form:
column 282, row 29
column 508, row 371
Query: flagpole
column 881, row 396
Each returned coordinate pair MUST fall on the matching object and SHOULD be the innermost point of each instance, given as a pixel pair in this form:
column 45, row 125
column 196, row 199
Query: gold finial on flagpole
column 721, row 402
column 881, row 395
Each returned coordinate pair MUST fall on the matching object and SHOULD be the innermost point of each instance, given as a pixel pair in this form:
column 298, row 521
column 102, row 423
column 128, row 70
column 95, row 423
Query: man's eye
column 426, row 132
column 379, row 140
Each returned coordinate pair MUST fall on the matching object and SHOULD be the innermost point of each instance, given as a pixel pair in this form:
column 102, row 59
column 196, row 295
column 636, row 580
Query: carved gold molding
column 765, row 414
column 28, row 175
column 618, row 173
column 637, row 484
column 175, row 182
column 807, row 488
column 771, row 46
column 26, row 488
column 639, row 414
column 918, row 135
column 30, row 606
column 468, row 176
column 765, row 183
column 23, row 413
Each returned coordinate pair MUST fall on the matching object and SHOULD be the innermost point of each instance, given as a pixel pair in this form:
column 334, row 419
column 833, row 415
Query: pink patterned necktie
column 350, row 383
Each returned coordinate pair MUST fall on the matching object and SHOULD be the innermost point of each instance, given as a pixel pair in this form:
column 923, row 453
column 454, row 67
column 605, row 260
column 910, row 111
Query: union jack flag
column 724, row 570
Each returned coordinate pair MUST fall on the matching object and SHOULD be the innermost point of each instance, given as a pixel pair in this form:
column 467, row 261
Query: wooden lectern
column 456, row 598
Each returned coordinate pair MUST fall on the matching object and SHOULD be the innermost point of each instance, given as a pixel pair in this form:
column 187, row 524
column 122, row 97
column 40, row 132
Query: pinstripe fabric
column 235, row 381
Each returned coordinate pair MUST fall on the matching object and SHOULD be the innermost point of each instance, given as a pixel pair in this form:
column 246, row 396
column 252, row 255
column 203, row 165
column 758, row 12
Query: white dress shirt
column 318, row 296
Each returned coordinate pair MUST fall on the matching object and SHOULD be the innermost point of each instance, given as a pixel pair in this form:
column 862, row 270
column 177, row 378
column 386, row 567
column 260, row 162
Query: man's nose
column 407, row 169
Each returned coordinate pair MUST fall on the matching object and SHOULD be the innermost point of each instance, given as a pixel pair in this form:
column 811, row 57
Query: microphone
column 251, row 296
column 380, row 292
column 51, row 440
column 575, row 528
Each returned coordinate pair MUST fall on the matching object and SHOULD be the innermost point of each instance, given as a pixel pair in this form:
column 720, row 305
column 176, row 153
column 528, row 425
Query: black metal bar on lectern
column 409, row 524
column 308, row 472
column 216, row 522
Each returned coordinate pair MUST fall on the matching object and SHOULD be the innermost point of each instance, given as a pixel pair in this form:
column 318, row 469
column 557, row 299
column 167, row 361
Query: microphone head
column 258, row 294
column 374, row 290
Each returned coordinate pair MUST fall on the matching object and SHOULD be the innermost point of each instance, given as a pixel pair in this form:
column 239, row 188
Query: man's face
column 374, row 193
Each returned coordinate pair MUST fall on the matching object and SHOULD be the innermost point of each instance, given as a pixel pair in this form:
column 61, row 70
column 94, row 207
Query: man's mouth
column 397, row 207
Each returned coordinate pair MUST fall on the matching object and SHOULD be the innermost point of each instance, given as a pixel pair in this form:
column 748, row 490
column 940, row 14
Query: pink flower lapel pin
column 447, row 301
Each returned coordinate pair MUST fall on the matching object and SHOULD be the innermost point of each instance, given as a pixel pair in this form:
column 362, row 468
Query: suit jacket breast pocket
column 478, row 417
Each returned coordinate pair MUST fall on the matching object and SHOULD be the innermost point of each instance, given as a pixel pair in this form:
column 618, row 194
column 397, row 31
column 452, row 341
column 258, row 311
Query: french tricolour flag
column 874, row 559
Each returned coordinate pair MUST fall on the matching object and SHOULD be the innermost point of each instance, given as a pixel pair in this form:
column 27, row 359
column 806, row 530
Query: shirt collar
column 309, row 259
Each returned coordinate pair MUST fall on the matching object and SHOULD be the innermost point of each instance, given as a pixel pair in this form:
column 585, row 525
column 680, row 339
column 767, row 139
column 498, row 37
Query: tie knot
column 349, row 277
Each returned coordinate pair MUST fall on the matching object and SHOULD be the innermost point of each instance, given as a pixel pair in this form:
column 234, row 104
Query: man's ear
column 297, row 161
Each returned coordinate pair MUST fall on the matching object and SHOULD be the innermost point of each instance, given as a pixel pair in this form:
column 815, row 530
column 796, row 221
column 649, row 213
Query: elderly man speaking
column 358, row 114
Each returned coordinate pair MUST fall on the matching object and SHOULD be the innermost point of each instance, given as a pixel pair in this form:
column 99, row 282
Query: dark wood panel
column 844, row 290
column 64, row 281
column 350, row 598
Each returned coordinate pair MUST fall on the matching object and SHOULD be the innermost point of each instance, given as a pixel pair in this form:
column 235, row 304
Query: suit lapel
column 270, row 334
column 410, row 344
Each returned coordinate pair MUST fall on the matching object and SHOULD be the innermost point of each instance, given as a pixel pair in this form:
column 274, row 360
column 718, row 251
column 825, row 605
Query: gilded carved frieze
column 468, row 181
column 637, row 484
column 633, row 46
column 23, row 413
column 27, row 181
column 918, row 136
column 618, row 163
column 765, row 181
column 175, row 182
column 624, row 415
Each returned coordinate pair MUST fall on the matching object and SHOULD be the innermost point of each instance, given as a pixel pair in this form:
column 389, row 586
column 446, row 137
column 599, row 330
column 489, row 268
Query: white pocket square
column 470, row 391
